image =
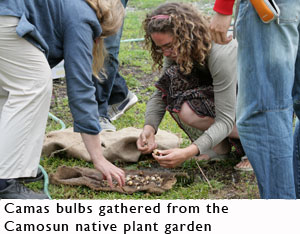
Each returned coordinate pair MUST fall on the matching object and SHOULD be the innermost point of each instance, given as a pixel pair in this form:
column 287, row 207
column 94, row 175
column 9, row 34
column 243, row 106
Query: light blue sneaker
column 115, row 111
column 106, row 125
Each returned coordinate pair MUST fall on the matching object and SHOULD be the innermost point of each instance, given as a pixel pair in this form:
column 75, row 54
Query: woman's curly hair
column 192, row 40
column 110, row 14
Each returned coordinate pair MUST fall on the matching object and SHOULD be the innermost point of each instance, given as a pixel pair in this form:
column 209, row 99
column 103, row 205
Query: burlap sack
column 147, row 181
column 119, row 145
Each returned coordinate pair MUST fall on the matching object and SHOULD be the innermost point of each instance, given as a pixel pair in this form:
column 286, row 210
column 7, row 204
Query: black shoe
column 15, row 190
column 26, row 180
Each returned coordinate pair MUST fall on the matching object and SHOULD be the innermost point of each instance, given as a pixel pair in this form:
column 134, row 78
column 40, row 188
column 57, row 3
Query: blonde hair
column 110, row 14
column 192, row 40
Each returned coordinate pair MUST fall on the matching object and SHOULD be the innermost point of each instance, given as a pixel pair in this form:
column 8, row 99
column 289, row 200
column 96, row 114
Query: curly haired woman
column 198, row 86
column 34, row 36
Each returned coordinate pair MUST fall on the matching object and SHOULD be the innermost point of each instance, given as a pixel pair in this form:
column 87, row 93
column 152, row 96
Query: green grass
column 135, row 66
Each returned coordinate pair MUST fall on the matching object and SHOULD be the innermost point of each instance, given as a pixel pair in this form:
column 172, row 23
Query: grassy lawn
column 135, row 66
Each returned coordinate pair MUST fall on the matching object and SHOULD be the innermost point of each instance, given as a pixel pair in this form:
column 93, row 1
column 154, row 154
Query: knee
column 204, row 123
column 189, row 117
column 186, row 114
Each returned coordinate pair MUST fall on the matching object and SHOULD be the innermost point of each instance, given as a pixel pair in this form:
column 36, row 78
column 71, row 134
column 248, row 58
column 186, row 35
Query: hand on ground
column 110, row 171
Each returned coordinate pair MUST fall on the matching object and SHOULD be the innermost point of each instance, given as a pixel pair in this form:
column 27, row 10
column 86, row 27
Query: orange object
column 266, row 9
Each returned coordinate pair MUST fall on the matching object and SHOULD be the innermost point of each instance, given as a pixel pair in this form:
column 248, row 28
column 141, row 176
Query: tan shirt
column 222, row 66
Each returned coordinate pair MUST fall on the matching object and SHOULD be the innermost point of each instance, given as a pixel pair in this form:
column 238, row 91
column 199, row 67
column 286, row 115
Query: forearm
column 191, row 151
column 93, row 146
column 149, row 128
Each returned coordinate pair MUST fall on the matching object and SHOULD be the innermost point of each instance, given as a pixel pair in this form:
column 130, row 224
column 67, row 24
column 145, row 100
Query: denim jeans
column 269, row 85
column 114, row 88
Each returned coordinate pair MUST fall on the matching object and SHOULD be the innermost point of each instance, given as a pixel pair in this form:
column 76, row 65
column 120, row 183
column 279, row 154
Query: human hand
column 110, row 171
column 146, row 141
column 174, row 157
column 219, row 26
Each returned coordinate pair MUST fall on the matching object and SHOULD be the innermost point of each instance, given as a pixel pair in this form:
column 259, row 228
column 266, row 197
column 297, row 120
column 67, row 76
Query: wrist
column 149, row 128
column 191, row 151
column 98, row 159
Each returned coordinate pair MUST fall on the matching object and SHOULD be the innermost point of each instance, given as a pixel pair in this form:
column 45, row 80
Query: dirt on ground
column 59, row 106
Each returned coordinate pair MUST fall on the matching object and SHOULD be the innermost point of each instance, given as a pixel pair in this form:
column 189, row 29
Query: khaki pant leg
column 25, row 93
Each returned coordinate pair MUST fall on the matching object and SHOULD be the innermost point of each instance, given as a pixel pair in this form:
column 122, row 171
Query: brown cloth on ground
column 119, row 145
column 147, row 181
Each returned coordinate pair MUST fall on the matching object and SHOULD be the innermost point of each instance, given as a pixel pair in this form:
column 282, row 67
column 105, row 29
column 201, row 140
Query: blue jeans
column 269, row 91
column 114, row 88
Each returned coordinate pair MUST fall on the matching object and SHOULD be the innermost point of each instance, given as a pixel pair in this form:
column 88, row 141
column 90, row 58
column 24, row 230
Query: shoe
column 15, row 190
column 212, row 156
column 106, row 125
column 243, row 165
column 39, row 176
column 115, row 111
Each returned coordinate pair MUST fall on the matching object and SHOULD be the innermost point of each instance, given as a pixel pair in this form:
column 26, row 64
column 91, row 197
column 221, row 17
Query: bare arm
column 174, row 157
column 219, row 27
column 93, row 146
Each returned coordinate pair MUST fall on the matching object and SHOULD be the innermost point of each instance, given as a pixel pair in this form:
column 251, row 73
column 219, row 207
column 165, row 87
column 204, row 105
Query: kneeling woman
column 198, row 86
